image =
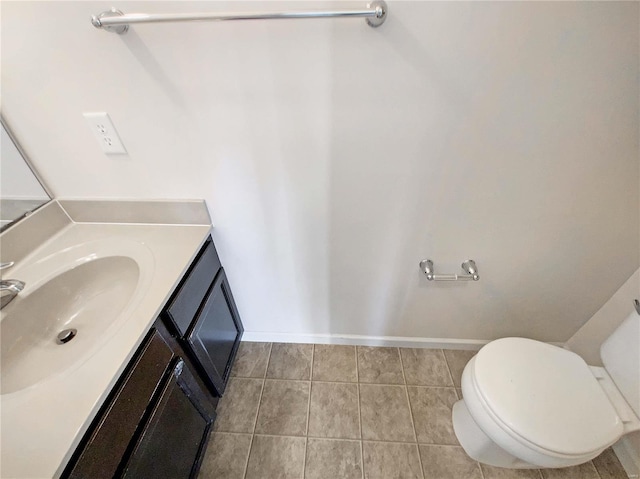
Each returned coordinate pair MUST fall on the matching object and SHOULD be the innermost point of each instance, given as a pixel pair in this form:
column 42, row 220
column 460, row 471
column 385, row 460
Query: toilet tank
column 620, row 355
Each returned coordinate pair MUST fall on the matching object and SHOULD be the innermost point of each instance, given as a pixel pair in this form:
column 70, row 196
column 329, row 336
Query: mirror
column 21, row 191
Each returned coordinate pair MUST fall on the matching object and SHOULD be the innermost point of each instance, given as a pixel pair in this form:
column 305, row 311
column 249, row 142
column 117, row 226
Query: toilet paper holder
column 469, row 267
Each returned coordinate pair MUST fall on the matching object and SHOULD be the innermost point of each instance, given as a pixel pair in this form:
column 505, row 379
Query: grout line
column 255, row 421
column 326, row 381
column 276, row 380
column 306, row 432
column 352, row 439
column 304, row 459
column 359, row 411
column 335, row 439
column 481, row 471
column 266, row 371
column 404, row 378
column 310, row 437
column 233, row 433
column 418, row 386
column 264, row 380
column 595, row 468
column 246, row 462
column 444, row 356
column 349, row 382
column 413, row 421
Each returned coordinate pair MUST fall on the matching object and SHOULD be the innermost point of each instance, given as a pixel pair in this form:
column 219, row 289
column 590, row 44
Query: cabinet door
column 190, row 295
column 216, row 333
column 172, row 441
column 107, row 441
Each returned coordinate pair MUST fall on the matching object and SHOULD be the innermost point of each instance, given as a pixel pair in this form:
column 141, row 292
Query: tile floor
column 316, row 411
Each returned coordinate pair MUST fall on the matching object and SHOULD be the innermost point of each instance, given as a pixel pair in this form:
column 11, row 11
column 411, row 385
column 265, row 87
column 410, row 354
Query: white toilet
column 528, row 404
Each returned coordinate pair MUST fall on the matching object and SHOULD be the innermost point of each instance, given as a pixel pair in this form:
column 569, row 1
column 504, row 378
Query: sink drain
column 66, row 335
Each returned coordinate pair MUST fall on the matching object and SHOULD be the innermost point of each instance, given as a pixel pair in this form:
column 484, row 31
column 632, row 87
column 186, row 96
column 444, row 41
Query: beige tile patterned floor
column 345, row 412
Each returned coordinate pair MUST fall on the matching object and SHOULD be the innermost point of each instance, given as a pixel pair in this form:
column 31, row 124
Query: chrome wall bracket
column 98, row 21
column 117, row 22
column 469, row 267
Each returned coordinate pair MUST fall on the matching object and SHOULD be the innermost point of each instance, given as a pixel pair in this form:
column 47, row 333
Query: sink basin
column 90, row 297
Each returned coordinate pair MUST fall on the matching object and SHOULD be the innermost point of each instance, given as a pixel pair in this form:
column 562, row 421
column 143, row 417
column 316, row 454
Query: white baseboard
column 358, row 340
column 629, row 457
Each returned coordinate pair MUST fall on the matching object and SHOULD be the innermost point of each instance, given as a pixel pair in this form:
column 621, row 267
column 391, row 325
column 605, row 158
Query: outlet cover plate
column 106, row 134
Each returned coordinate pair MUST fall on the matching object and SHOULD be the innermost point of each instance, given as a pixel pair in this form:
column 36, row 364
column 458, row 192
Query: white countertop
column 43, row 424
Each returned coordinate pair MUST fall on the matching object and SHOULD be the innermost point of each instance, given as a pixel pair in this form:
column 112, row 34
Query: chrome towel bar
column 469, row 267
column 118, row 22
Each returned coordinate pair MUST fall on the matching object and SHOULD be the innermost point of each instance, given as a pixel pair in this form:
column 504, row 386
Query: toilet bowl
column 528, row 404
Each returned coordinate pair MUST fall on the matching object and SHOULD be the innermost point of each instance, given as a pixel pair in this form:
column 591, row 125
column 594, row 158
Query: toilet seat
column 539, row 402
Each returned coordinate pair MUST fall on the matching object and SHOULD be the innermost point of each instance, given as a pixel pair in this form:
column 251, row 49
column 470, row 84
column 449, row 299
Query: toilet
column 529, row 404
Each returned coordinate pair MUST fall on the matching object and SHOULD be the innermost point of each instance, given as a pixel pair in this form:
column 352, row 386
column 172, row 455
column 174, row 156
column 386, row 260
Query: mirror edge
column 36, row 175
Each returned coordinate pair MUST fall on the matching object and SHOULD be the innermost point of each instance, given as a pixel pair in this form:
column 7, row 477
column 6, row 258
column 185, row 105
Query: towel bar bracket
column 97, row 21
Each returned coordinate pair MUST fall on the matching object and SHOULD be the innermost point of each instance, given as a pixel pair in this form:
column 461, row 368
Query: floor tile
column 379, row 365
column 334, row 363
column 334, row 410
column 236, row 411
column 290, row 361
column 385, row 413
column 491, row 472
column 251, row 360
column 385, row 460
column 431, row 408
column 425, row 367
column 608, row 465
column 276, row 457
column 332, row 458
column 582, row 471
column 283, row 408
column 440, row 462
column 226, row 456
column 457, row 359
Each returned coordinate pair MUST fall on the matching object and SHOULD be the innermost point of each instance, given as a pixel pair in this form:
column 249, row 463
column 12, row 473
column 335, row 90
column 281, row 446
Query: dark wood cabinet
column 210, row 334
column 171, row 441
column 116, row 426
column 189, row 295
column 156, row 421
column 216, row 333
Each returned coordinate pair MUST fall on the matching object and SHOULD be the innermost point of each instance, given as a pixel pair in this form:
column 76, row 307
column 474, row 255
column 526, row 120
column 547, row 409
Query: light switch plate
column 106, row 134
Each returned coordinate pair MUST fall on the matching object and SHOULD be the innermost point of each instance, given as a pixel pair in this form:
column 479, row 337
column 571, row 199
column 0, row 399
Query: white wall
column 334, row 157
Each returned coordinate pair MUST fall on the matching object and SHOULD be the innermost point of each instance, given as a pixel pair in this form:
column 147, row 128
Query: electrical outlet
column 105, row 133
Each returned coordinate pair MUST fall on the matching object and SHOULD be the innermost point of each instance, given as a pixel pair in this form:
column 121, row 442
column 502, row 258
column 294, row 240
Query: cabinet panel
column 187, row 300
column 117, row 425
column 216, row 333
column 171, row 442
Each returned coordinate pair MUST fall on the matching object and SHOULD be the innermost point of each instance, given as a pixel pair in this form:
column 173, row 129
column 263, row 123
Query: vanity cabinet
column 156, row 421
column 203, row 316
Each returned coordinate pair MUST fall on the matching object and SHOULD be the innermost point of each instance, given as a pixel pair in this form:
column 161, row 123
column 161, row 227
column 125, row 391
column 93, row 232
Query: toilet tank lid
column 545, row 395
